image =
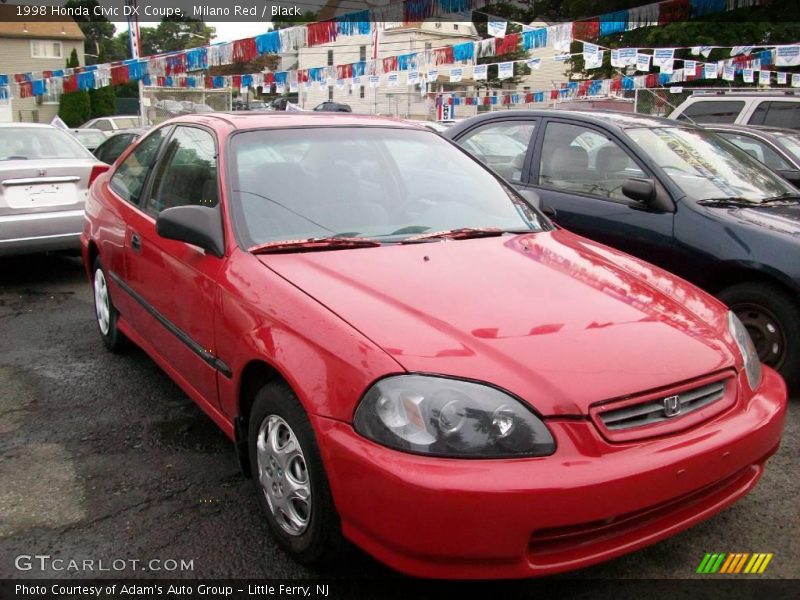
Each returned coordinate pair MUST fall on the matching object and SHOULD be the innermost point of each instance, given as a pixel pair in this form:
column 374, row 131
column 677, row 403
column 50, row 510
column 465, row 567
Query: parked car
column 89, row 138
column 774, row 109
column 333, row 107
column 673, row 194
column 115, row 144
column 777, row 148
column 280, row 103
column 437, row 126
column 45, row 175
column 410, row 356
column 172, row 106
column 257, row 105
column 110, row 124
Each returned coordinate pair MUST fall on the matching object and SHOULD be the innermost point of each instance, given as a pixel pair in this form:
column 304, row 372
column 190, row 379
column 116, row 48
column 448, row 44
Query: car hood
column 782, row 219
column 556, row 319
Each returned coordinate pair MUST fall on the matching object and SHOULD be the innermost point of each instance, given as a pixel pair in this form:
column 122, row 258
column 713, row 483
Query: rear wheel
column 290, row 479
column 105, row 313
column 772, row 317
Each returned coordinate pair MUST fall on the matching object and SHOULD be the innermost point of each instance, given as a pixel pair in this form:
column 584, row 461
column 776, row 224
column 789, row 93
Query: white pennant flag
column 643, row 62
column 705, row 51
column 505, row 70
column 690, row 66
column 479, row 72
column 747, row 75
column 728, row 72
column 412, row 77
column 763, row 77
column 662, row 56
column 787, row 56
column 392, row 79
column 736, row 50
column 433, row 74
column 593, row 61
column 710, row 71
column 534, row 63
column 795, row 80
column 496, row 28
column 456, row 75
column 781, row 78
column 340, row 84
column 374, row 81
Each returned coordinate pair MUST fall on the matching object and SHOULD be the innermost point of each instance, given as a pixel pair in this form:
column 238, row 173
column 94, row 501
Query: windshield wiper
column 313, row 244
column 788, row 196
column 463, row 233
column 727, row 201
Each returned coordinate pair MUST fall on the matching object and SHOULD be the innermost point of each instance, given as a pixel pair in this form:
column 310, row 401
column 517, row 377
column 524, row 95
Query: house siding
column 15, row 57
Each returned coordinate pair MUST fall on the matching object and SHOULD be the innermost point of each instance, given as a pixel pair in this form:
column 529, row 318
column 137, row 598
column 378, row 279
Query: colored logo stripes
column 732, row 563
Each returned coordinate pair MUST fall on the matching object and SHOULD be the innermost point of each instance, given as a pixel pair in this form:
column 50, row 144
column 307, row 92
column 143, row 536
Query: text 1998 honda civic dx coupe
column 411, row 357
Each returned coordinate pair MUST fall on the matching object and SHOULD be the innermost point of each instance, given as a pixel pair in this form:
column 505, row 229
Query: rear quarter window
column 714, row 111
column 777, row 114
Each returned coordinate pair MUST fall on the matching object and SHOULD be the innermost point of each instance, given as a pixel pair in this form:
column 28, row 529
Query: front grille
column 662, row 409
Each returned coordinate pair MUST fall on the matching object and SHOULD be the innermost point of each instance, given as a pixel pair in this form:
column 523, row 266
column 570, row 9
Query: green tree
column 175, row 33
column 75, row 108
column 73, row 61
column 515, row 15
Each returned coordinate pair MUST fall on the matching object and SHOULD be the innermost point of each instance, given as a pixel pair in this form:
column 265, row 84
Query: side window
column 502, row 146
column 579, row 159
column 187, row 172
column 716, row 111
column 758, row 150
column 129, row 178
column 102, row 125
column 777, row 114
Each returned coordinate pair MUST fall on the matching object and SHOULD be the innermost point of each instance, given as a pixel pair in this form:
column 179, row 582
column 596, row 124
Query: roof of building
column 36, row 27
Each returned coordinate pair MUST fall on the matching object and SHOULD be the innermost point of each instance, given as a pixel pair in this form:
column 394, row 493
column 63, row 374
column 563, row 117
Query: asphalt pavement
column 102, row 457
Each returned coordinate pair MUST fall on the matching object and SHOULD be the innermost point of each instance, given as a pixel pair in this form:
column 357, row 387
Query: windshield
column 790, row 143
column 383, row 183
column 707, row 167
column 88, row 137
column 20, row 143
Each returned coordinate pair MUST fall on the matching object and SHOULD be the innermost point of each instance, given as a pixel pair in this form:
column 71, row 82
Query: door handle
column 136, row 242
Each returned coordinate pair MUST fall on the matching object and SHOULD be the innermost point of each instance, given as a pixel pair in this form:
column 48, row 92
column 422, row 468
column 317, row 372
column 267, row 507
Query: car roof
column 128, row 131
column 269, row 120
column 750, row 128
column 32, row 125
column 618, row 119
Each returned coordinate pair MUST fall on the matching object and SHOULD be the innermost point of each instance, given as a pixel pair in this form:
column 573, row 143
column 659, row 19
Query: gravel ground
column 102, row 456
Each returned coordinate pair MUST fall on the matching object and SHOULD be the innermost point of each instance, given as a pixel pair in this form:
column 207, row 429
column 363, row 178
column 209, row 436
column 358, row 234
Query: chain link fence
column 164, row 103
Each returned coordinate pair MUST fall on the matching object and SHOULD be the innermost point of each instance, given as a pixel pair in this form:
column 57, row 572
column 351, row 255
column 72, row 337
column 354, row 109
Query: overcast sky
column 226, row 32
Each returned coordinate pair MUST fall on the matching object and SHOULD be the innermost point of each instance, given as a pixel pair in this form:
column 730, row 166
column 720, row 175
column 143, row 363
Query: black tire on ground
column 322, row 543
column 113, row 338
column 760, row 306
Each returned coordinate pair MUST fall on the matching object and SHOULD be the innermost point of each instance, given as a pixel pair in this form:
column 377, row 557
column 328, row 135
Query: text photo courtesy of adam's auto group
column 336, row 299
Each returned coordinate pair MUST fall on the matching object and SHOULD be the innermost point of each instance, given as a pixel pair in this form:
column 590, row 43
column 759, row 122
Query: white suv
column 746, row 108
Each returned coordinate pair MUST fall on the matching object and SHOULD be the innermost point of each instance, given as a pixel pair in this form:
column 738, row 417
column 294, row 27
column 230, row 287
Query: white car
column 45, row 174
column 109, row 125
column 773, row 109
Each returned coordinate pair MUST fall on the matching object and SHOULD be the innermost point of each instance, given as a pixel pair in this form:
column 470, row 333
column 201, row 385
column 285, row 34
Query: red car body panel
column 561, row 322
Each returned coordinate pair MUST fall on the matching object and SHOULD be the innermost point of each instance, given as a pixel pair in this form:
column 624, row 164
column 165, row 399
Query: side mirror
column 790, row 175
column 197, row 225
column 643, row 190
column 549, row 211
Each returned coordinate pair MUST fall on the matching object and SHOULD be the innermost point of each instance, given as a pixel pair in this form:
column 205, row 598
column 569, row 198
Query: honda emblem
column 672, row 406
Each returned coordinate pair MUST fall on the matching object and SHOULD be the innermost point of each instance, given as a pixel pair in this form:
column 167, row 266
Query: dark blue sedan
column 674, row 194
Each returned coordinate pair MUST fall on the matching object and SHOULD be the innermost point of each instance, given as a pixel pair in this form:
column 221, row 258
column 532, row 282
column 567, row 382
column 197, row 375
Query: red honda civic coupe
column 408, row 355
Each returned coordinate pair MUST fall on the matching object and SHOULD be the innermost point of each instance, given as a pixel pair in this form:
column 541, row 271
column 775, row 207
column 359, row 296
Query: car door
column 174, row 282
column 579, row 170
column 504, row 146
column 125, row 190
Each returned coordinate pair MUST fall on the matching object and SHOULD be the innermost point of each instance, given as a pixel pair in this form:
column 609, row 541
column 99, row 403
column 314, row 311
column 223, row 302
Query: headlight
column 449, row 417
column 752, row 365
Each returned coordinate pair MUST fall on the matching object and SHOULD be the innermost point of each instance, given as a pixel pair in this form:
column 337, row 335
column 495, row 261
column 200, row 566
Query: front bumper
column 589, row 502
column 40, row 232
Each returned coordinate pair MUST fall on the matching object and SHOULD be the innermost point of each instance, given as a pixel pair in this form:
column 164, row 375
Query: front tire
column 105, row 314
column 772, row 317
column 290, row 479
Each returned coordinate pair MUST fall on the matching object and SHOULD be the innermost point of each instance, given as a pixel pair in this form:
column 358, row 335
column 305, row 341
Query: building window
column 455, row 26
column 46, row 49
column 361, row 92
column 428, row 46
column 362, row 53
column 330, row 58
column 330, row 94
